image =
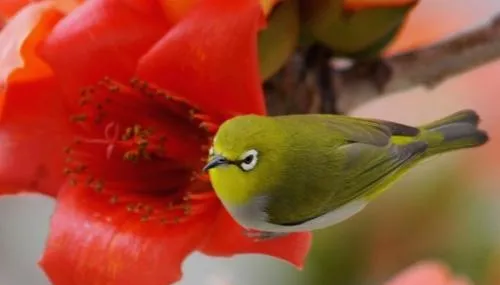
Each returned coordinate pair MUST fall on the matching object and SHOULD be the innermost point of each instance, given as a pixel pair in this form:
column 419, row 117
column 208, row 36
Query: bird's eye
column 249, row 160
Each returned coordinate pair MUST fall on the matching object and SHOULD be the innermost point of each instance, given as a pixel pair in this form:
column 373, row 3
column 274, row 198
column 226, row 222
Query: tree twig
column 428, row 66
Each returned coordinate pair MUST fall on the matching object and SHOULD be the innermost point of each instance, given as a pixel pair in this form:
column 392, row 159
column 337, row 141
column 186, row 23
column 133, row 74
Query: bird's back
column 315, row 170
column 333, row 160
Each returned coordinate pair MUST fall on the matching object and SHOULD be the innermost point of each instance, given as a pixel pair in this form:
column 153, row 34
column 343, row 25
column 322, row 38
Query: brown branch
column 427, row 66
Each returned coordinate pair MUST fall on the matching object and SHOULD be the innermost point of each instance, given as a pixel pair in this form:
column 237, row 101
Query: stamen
column 139, row 123
column 79, row 118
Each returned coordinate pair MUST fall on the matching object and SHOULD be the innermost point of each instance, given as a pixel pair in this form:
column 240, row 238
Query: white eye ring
column 249, row 159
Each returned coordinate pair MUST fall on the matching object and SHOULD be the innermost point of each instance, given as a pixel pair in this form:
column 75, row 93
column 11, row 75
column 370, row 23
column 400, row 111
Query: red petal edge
column 10, row 7
column 30, row 126
column 210, row 58
column 93, row 244
column 102, row 38
column 227, row 239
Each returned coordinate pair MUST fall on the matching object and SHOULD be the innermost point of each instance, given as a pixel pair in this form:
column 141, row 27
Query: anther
column 142, row 143
column 80, row 168
column 148, row 210
column 160, row 93
column 130, row 207
column 200, row 117
column 113, row 88
column 89, row 180
column 131, row 155
column 127, row 134
column 67, row 150
column 98, row 118
column 78, row 118
column 113, row 199
column 137, row 129
column 66, row 171
column 139, row 207
column 134, row 82
column 208, row 127
column 83, row 101
column 192, row 113
column 98, row 186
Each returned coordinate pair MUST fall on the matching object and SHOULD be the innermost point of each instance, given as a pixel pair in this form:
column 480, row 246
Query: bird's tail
column 456, row 131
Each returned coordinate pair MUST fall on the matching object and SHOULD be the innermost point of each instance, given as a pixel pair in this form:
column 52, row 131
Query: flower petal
column 175, row 10
column 210, row 58
column 428, row 273
column 9, row 8
column 102, row 38
column 31, row 146
column 30, row 113
column 227, row 239
column 67, row 6
column 19, row 37
column 94, row 243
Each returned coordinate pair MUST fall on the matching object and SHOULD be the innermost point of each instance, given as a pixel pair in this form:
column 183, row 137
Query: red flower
column 126, row 105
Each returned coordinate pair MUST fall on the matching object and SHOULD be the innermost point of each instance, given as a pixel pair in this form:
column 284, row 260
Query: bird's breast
column 251, row 215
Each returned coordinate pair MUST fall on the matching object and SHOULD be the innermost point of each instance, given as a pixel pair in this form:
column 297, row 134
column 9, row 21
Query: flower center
column 141, row 149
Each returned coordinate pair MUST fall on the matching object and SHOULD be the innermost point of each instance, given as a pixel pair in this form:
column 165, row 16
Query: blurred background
column 447, row 209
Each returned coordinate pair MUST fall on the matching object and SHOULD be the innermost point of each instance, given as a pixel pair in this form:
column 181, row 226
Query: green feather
column 310, row 165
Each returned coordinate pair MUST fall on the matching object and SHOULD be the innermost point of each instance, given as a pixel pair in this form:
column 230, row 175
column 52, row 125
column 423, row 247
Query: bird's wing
column 368, row 161
column 368, row 131
column 366, row 166
column 367, row 169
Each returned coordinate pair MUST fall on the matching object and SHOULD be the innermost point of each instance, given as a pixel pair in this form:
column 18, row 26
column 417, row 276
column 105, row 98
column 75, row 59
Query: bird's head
column 243, row 159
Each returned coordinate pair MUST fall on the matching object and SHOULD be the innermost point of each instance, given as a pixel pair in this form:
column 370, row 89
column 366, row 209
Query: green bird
column 294, row 173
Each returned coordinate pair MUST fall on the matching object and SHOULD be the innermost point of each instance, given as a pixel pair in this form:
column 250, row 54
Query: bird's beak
column 215, row 161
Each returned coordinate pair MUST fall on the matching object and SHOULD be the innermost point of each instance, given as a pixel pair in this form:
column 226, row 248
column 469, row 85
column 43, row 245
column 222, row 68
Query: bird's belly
column 252, row 216
column 329, row 219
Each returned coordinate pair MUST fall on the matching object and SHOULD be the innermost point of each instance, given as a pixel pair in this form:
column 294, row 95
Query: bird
column 277, row 175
